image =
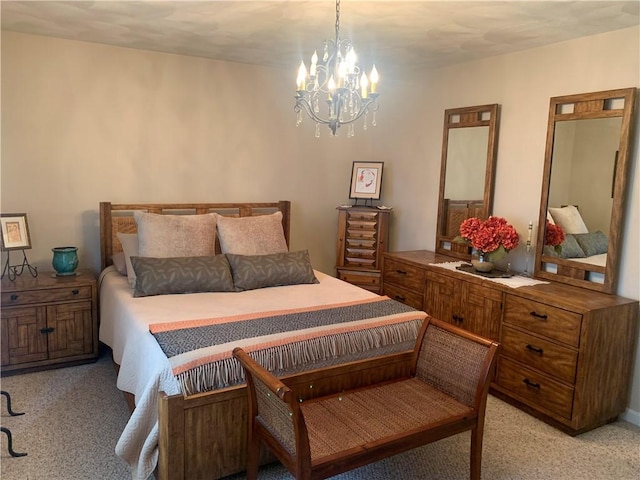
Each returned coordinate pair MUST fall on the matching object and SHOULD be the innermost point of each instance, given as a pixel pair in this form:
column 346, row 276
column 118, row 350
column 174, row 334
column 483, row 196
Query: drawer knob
column 537, row 315
column 75, row 291
column 14, row 297
column 47, row 330
column 400, row 298
column 531, row 384
column 533, row 349
column 401, row 272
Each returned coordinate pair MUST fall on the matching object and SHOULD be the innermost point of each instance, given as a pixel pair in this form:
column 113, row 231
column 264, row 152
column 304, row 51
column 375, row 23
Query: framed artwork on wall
column 366, row 180
column 15, row 231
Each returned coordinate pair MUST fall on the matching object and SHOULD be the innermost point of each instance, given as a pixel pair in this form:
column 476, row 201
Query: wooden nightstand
column 48, row 321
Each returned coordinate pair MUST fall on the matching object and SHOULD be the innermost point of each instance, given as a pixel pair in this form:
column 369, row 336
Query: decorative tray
column 491, row 274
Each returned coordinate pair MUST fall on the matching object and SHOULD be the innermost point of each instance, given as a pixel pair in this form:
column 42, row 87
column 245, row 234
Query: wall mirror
column 469, row 146
column 584, row 188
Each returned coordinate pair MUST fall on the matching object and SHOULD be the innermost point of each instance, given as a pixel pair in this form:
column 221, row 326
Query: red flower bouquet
column 554, row 236
column 493, row 237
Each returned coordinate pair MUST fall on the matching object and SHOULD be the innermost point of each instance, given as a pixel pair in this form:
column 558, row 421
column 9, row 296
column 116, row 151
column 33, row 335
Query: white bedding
column 145, row 369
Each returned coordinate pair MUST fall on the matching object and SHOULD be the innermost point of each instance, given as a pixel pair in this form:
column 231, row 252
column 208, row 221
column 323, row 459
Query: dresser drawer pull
column 75, row 291
column 537, row 315
column 531, row 384
column 400, row 298
column 401, row 272
column 47, row 330
column 457, row 318
column 533, row 349
column 14, row 297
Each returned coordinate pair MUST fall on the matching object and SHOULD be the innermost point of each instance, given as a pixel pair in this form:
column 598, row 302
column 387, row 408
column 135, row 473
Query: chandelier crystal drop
column 334, row 91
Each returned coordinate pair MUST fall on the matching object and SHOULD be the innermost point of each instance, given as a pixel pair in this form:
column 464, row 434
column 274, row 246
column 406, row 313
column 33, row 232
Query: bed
column 189, row 420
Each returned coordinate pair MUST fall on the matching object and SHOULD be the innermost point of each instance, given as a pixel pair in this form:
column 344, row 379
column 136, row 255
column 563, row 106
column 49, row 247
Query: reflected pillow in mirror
column 593, row 243
column 570, row 249
column 569, row 219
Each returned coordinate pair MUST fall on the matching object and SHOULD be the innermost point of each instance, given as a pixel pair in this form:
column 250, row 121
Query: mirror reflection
column 466, row 176
column 584, row 188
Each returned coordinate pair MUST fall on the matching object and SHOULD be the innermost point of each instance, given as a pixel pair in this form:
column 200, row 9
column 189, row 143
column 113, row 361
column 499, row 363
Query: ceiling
column 279, row 33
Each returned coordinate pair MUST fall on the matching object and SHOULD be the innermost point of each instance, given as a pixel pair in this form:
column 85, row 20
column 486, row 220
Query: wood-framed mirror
column 584, row 188
column 469, row 149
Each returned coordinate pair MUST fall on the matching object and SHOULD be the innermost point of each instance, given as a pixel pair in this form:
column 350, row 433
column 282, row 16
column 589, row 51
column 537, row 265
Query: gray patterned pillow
column 570, row 248
column 593, row 243
column 162, row 276
column 259, row 271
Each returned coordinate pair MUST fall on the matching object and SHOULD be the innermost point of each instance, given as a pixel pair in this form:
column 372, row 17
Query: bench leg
column 476, row 453
column 253, row 455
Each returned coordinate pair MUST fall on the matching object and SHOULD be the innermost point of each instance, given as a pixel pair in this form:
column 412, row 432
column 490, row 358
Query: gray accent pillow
column 570, row 248
column 162, row 276
column 593, row 243
column 259, row 271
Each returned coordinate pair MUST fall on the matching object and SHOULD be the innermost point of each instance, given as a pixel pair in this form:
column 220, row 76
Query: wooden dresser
column 566, row 353
column 363, row 234
column 48, row 321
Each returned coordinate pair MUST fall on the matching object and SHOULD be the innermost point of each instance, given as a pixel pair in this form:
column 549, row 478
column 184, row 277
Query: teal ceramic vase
column 65, row 260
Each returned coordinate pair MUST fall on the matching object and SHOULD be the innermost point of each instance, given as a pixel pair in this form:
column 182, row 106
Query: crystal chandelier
column 335, row 91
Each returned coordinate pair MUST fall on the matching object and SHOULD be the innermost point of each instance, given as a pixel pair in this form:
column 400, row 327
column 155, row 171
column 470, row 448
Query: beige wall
column 84, row 123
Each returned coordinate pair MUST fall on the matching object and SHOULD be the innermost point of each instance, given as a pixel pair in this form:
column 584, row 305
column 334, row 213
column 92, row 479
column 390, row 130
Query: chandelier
column 335, row 91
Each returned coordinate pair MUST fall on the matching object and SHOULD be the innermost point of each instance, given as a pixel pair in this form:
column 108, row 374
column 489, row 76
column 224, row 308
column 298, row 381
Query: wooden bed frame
column 204, row 436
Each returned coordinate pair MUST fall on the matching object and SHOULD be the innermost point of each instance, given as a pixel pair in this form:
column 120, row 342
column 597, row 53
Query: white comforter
column 144, row 368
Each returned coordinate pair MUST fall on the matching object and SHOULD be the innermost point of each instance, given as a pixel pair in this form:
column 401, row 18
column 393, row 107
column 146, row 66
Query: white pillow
column 569, row 219
column 129, row 242
column 256, row 235
column 164, row 236
column 550, row 218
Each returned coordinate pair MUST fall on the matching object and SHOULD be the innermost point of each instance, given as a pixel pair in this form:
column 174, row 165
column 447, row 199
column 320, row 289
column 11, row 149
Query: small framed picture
column 15, row 231
column 366, row 180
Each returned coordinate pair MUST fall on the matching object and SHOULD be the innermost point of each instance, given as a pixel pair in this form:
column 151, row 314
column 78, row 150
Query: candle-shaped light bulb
column 342, row 71
column 332, row 84
column 351, row 60
column 374, row 79
column 314, row 62
column 363, row 84
column 302, row 76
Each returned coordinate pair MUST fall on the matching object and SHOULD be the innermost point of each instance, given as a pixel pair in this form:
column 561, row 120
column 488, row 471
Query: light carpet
column 74, row 416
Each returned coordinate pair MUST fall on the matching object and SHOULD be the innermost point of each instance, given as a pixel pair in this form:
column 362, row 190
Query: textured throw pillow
column 593, row 243
column 119, row 263
column 257, row 235
column 129, row 242
column 164, row 236
column 162, row 276
column 569, row 219
column 259, row 271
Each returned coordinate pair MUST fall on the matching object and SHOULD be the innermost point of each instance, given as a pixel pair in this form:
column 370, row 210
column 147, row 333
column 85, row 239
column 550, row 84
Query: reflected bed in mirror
column 467, row 171
column 584, row 187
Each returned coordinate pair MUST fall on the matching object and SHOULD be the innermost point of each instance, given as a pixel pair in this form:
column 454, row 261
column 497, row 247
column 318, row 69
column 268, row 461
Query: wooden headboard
column 116, row 218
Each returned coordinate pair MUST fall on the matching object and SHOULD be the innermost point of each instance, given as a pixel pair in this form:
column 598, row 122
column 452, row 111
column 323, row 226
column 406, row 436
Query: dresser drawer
column 46, row 296
column 403, row 295
column 368, row 280
column 551, row 322
column 540, row 354
column 404, row 275
column 535, row 387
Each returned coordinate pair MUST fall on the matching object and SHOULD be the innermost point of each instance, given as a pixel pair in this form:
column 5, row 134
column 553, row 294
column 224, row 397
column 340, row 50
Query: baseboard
column 631, row 416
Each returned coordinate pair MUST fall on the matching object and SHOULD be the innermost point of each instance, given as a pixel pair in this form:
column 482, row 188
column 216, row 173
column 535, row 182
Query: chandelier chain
column 337, row 21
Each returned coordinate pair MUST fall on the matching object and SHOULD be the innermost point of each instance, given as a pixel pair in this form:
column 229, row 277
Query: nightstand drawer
column 542, row 319
column 540, row 354
column 535, row 387
column 403, row 295
column 371, row 279
column 404, row 275
column 29, row 297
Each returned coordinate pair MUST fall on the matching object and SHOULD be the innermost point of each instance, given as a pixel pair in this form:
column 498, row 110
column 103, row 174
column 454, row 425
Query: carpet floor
column 74, row 416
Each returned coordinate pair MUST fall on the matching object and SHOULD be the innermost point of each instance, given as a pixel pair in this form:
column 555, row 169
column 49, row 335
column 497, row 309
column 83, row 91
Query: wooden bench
column 445, row 394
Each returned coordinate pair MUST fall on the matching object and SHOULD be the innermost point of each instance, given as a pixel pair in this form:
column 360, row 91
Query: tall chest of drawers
column 566, row 352
column 363, row 234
